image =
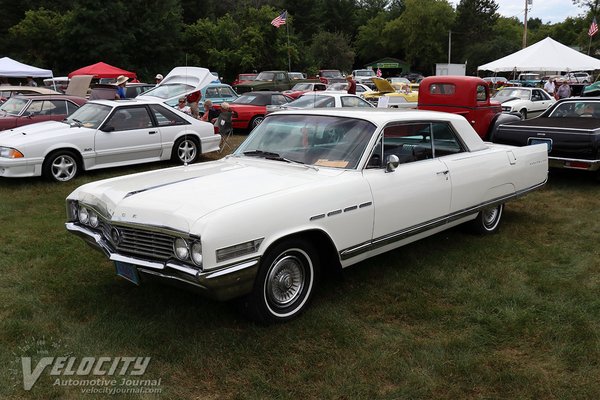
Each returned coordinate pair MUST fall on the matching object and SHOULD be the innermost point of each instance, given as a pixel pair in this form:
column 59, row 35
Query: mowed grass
column 515, row 315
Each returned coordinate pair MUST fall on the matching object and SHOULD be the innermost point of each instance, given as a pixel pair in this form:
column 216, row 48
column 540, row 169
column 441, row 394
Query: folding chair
column 225, row 136
column 223, row 122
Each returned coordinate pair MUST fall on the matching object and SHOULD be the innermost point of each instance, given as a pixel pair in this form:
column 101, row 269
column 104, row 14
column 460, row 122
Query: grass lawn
column 514, row 315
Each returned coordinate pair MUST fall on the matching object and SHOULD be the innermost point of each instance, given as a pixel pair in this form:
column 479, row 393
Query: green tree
column 332, row 50
column 474, row 24
column 32, row 35
column 372, row 41
column 421, row 33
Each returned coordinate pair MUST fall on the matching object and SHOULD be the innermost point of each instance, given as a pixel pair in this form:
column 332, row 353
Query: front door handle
column 445, row 173
column 151, row 132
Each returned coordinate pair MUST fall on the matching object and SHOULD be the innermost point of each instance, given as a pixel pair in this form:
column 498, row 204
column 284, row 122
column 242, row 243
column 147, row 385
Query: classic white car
column 101, row 134
column 524, row 101
column 323, row 99
column 308, row 190
column 179, row 82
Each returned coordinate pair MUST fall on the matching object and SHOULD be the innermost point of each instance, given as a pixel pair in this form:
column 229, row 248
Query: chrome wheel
column 488, row 220
column 61, row 167
column 256, row 121
column 285, row 281
column 186, row 150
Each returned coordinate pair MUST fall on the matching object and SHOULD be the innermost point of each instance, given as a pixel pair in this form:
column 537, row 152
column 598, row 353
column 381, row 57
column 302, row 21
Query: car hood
column 34, row 132
column 177, row 197
column 383, row 85
column 196, row 77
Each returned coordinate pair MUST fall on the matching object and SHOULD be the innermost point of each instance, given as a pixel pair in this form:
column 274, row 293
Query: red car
column 249, row 109
column 243, row 78
column 28, row 109
column 300, row 88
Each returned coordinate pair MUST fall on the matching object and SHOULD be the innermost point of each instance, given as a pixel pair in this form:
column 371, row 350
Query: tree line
column 232, row 37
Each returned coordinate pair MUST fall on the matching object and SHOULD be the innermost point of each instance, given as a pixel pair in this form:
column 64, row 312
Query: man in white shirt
column 549, row 86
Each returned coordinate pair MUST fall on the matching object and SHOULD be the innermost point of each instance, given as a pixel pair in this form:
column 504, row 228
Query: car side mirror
column 391, row 163
column 107, row 128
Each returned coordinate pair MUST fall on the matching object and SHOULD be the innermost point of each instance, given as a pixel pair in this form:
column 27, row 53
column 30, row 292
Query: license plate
column 127, row 271
column 547, row 142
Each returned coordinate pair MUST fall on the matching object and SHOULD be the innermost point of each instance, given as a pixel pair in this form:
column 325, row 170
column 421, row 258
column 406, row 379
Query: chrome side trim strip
column 230, row 270
column 428, row 225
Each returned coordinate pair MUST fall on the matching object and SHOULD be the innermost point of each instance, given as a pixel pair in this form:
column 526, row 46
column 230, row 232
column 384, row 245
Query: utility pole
column 527, row 4
column 449, row 45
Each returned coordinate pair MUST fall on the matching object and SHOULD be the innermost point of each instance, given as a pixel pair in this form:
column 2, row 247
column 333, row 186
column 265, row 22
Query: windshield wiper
column 276, row 157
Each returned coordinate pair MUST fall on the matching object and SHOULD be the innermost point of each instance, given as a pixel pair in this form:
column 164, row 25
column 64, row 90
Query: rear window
column 442, row 88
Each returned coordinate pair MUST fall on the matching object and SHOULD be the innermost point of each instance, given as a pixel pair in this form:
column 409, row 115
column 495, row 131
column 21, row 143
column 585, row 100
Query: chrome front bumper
column 224, row 283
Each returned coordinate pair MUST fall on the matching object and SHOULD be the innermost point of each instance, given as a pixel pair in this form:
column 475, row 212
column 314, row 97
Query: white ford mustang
column 101, row 134
column 308, row 190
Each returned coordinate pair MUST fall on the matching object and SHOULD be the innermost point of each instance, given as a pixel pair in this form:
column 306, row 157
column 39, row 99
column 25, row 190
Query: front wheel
column 488, row 220
column 185, row 150
column 285, row 282
column 523, row 114
column 60, row 166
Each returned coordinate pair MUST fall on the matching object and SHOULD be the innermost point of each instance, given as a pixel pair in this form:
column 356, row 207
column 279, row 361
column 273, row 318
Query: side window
column 54, row 107
column 481, row 93
column 319, row 86
column 165, row 117
column 226, row 92
column 127, row 118
column 280, row 76
column 445, row 141
column 278, row 99
column 71, row 107
column 35, row 108
column 409, row 142
column 211, row 93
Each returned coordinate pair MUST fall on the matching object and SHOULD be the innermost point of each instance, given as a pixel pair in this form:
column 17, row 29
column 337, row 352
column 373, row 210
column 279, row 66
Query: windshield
column 576, row 109
column 90, row 115
column 520, row 93
column 265, row 76
column 13, row 106
column 169, row 90
column 324, row 141
column 365, row 73
column 302, row 86
column 332, row 74
column 313, row 101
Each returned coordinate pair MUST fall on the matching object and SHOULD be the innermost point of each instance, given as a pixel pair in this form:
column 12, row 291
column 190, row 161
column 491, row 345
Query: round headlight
column 197, row 253
column 93, row 219
column 84, row 215
column 181, row 249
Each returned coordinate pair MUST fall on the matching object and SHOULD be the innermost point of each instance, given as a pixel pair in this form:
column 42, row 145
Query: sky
column 549, row 11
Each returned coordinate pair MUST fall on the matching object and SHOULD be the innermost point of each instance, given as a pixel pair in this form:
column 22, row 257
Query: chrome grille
column 148, row 243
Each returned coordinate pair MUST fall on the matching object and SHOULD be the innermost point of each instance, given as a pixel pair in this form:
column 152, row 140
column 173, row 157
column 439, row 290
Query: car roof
column 48, row 97
column 41, row 90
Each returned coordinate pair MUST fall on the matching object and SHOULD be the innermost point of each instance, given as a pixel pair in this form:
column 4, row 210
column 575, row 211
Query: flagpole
column 589, row 46
column 287, row 28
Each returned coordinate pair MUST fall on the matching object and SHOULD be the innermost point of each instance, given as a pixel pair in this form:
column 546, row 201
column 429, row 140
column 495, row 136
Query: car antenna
column 185, row 163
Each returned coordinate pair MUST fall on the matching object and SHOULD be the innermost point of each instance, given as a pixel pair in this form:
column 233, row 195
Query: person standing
column 549, row 86
column 564, row 90
column 193, row 99
column 121, row 81
column 351, row 84
column 158, row 78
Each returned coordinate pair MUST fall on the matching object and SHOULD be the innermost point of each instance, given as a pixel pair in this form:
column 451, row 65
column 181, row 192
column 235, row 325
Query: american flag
column 593, row 28
column 280, row 20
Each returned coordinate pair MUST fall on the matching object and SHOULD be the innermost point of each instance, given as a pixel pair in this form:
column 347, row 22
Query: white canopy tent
column 545, row 55
column 14, row 69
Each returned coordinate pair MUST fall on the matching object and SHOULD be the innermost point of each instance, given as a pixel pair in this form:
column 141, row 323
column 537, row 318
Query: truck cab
column 468, row 96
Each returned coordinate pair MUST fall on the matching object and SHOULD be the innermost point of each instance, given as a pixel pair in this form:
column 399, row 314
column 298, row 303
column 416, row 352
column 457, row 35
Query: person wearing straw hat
column 121, row 80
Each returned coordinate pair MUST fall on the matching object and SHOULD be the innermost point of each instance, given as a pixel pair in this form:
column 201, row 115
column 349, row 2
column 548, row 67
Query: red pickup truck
column 468, row 96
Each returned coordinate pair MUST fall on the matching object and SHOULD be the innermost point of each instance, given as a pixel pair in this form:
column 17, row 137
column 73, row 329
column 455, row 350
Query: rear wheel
column 61, row 166
column 488, row 220
column 185, row 150
column 256, row 121
column 285, row 282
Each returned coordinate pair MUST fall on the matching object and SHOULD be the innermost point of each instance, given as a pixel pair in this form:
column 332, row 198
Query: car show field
column 450, row 316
